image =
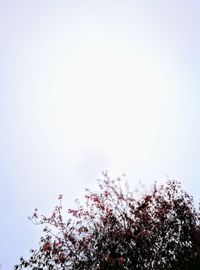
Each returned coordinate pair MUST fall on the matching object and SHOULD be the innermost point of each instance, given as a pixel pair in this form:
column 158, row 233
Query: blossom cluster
column 115, row 231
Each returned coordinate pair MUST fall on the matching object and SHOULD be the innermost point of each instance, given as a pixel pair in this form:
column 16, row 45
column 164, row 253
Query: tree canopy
column 116, row 230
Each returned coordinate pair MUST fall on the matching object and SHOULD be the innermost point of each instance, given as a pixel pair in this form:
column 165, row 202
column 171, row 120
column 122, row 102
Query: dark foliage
column 116, row 231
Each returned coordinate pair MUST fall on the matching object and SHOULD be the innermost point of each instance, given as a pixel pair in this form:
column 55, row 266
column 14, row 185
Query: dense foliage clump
column 114, row 230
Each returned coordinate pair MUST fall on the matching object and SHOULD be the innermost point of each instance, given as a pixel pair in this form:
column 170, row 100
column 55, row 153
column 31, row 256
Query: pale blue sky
column 93, row 85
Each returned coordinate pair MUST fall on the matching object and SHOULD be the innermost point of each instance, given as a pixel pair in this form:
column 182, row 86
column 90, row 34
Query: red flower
column 121, row 260
column 46, row 247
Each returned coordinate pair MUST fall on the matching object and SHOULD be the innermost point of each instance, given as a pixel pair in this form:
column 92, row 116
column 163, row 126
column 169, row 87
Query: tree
column 114, row 230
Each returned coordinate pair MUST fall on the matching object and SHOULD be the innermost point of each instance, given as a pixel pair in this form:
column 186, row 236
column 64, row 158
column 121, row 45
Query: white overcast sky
column 92, row 85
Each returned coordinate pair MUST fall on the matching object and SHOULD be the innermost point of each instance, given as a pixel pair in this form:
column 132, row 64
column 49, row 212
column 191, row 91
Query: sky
column 88, row 86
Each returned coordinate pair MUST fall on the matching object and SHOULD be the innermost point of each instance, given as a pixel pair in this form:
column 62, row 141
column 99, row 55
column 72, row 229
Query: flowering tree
column 114, row 230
